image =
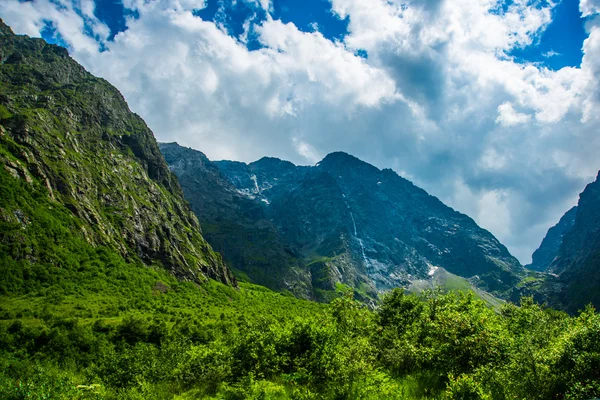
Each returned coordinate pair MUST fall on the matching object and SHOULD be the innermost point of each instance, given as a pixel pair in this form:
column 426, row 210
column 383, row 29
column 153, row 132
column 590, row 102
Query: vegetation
column 84, row 318
column 80, row 321
column 184, row 341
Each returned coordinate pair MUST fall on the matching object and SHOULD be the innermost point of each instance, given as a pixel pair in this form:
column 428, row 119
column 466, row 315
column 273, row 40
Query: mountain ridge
column 354, row 224
column 544, row 255
column 578, row 259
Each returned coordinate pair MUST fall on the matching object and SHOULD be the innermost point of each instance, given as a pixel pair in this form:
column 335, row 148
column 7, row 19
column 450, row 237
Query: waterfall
column 362, row 246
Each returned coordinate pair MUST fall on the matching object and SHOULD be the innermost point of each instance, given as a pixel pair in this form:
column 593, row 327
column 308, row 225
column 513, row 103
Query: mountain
column 342, row 221
column 577, row 263
column 236, row 225
column 83, row 180
column 545, row 254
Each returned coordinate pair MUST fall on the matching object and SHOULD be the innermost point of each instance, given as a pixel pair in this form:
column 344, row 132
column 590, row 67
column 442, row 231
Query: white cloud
column 589, row 7
column 550, row 54
column 507, row 115
column 29, row 18
column 307, row 151
column 437, row 98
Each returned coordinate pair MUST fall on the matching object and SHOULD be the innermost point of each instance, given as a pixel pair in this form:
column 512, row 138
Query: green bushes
column 212, row 341
column 524, row 352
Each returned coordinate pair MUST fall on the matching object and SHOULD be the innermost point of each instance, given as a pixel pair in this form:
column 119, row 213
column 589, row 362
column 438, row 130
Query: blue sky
column 557, row 46
column 492, row 107
column 560, row 45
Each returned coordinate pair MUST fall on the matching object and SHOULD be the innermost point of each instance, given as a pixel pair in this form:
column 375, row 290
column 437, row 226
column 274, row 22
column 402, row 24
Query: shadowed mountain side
column 546, row 253
column 343, row 221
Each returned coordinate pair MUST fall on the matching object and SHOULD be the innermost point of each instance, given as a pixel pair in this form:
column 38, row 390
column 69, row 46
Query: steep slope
column 404, row 232
column 71, row 138
column 236, row 225
column 347, row 222
column 577, row 263
column 545, row 254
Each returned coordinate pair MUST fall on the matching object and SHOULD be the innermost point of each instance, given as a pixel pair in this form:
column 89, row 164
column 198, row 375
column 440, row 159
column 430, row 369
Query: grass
column 185, row 300
column 450, row 283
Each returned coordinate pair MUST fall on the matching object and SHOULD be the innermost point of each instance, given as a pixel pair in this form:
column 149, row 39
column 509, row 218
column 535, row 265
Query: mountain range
column 85, row 183
column 342, row 221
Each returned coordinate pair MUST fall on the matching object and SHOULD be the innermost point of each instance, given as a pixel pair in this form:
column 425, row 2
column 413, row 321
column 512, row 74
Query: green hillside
column 447, row 282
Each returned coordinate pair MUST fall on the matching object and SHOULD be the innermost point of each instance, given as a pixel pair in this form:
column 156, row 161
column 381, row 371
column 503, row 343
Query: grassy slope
column 450, row 283
column 48, row 268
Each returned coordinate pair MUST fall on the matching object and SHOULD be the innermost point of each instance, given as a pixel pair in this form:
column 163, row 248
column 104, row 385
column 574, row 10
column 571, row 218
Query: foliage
column 258, row 344
column 79, row 321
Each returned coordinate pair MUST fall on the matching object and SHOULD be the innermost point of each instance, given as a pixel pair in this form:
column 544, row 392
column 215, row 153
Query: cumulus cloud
column 438, row 98
column 589, row 7
column 507, row 115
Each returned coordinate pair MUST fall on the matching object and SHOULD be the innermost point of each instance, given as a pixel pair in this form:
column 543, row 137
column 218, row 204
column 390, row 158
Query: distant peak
column 175, row 149
column 339, row 158
column 169, row 144
column 272, row 162
column 270, row 159
column 339, row 155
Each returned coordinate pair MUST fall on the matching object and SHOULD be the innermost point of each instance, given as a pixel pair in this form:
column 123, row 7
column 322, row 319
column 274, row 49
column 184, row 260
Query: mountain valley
column 132, row 269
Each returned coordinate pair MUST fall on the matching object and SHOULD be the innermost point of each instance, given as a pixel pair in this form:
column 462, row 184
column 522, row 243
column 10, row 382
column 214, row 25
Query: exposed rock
column 341, row 221
column 235, row 224
column 545, row 254
column 75, row 135
column 576, row 266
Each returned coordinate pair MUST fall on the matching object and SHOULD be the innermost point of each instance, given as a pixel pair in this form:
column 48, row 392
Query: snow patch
column 246, row 193
column 432, row 269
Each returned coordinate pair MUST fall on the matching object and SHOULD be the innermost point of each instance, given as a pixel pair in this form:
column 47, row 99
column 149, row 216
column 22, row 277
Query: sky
column 492, row 106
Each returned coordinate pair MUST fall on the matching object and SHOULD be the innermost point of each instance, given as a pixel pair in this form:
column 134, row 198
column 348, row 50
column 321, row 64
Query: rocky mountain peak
column 545, row 254
column 272, row 162
column 346, row 221
column 573, row 275
column 340, row 159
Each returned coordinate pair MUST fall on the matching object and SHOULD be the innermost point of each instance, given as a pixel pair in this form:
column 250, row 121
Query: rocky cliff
column 577, row 263
column 235, row 223
column 73, row 135
column 545, row 254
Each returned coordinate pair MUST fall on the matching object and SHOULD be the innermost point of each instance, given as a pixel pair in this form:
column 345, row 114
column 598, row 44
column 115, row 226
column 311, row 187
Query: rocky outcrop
column 546, row 253
column 235, row 223
column 576, row 266
column 75, row 134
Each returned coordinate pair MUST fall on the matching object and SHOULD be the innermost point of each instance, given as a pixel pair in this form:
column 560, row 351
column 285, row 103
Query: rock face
column 577, row 263
column 235, row 224
column 341, row 221
column 546, row 253
column 73, row 133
